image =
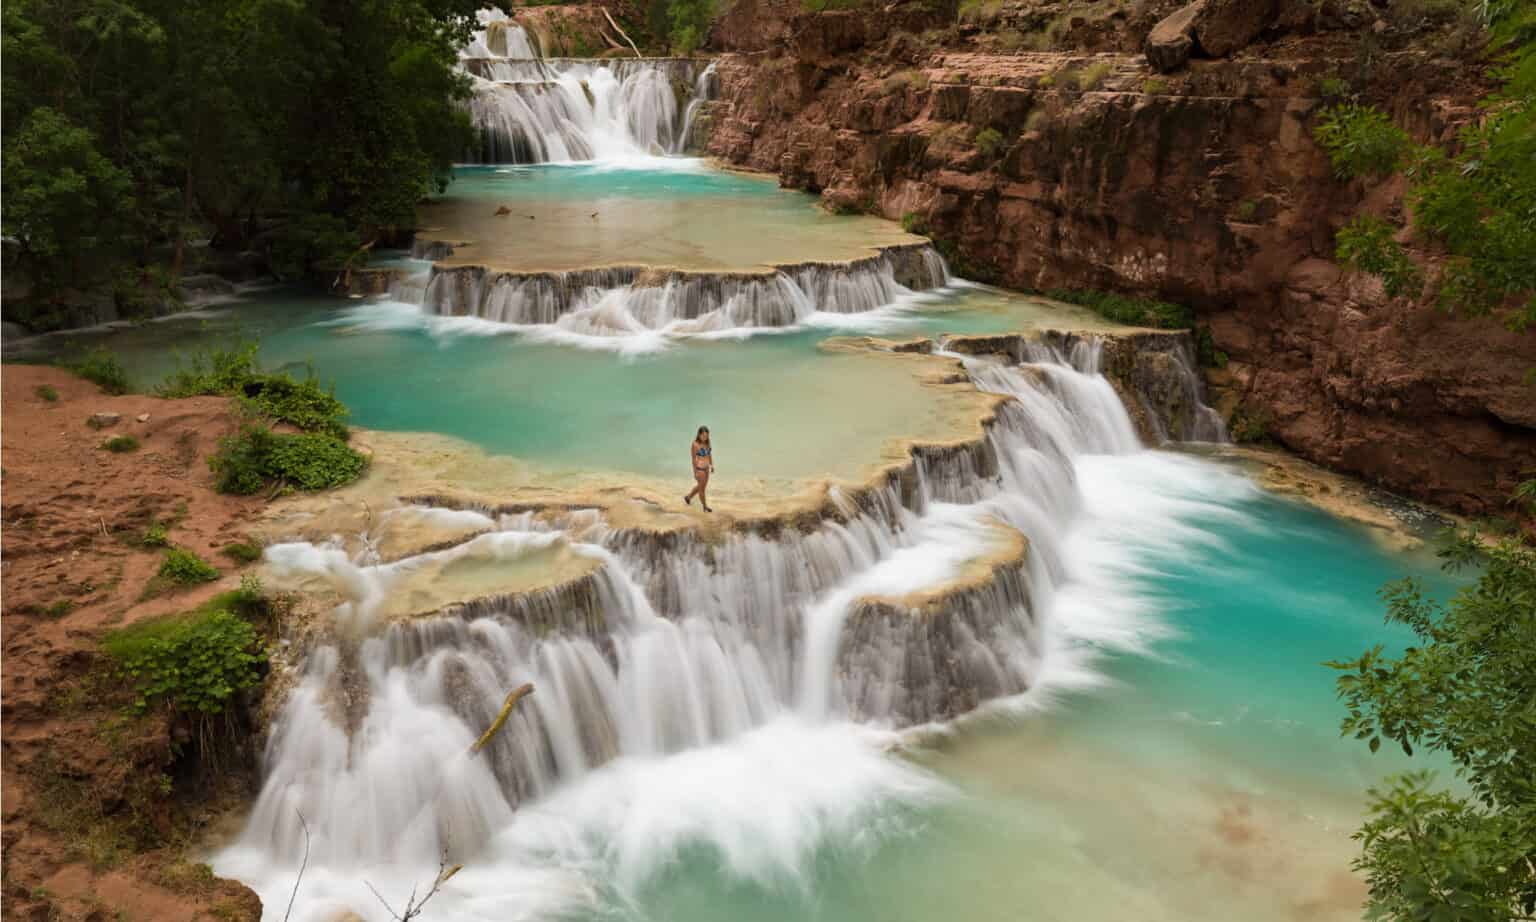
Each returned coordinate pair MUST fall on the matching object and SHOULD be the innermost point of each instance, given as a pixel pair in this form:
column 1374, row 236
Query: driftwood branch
column 517, row 694
column 414, row 907
column 620, row 30
column 304, row 864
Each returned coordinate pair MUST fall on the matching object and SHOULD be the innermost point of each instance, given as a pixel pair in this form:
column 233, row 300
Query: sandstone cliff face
column 1087, row 169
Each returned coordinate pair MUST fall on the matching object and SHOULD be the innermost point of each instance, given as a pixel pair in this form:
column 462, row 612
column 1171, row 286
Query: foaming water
column 693, row 699
column 531, row 109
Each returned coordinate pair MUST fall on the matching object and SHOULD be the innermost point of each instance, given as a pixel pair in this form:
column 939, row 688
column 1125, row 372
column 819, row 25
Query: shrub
column 979, row 12
column 1248, row 424
column 59, row 609
column 233, row 371
column 118, row 444
column 181, row 567
column 914, row 223
column 901, row 80
column 1046, row 82
column 989, row 142
column 1093, row 75
column 1366, row 244
column 1361, row 141
column 1246, row 209
column 1133, row 311
column 1206, row 352
column 193, row 664
column 102, row 368
column 1333, row 87
column 47, row 392
column 1154, row 86
column 256, row 456
column 1036, row 120
column 155, row 536
column 242, row 551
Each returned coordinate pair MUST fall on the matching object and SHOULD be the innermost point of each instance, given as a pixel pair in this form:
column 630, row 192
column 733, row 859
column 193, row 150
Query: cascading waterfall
column 700, row 643
column 531, row 109
column 621, row 300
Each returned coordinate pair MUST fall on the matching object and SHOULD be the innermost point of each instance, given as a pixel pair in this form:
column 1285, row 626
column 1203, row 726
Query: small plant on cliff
column 1154, row 86
column 1367, row 245
column 1464, row 690
column 256, row 456
column 181, row 567
column 119, row 444
column 1142, row 312
column 1362, row 142
column 914, row 223
column 903, row 80
column 155, row 536
column 1333, row 87
column 1248, row 424
column 989, row 142
column 100, row 367
column 1093, row 75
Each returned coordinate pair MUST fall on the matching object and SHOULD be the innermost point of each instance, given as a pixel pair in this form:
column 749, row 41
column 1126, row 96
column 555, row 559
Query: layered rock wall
column 1088, row 169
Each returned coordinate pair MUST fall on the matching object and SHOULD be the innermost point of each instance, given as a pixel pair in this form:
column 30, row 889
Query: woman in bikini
column 703, row 459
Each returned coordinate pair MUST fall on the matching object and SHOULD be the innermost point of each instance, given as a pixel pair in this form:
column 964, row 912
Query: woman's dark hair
column 703, row 430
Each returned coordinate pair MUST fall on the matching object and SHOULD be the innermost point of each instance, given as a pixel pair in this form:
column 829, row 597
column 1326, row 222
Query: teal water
column 1207, row 782
column 571, row 408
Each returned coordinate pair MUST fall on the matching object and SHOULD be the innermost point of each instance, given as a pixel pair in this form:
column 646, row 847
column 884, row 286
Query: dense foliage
column 194, row 663
column 1368, row 244
column 299, row 128
column 234, row 372
column 1478, row 202
column 256, row 456
column 1467, row 688
column 100, row 367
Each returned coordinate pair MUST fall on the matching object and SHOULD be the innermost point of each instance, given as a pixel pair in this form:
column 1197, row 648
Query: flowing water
column 1053, row 674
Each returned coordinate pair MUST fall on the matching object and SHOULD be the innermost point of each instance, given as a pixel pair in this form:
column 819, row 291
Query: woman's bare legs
column 701, row 482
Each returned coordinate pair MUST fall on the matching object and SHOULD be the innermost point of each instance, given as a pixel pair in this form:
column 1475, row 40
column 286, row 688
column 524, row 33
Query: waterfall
column 531, row 109
column 693, row 643
column 627, row 300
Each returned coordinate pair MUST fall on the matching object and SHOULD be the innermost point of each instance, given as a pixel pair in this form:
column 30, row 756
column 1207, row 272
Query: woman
column 703, row 459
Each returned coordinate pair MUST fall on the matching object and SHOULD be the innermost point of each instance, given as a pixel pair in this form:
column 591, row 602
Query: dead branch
column 413, row 907
column 620, row 30
column 513, row 697
column 302, row 865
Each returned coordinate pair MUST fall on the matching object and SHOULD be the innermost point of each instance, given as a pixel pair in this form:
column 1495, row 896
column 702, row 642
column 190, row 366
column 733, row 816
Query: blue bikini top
column 703, row 451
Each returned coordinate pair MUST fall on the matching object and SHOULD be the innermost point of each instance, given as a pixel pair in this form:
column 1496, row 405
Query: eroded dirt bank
column 101, row 807
column 1034, row 141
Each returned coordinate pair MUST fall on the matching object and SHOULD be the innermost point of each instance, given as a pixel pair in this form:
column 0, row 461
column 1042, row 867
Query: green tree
column 1467, row 688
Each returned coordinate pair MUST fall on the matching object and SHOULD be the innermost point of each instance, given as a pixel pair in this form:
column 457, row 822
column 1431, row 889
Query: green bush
column 914, row 223
column 1142, row 312
column 1361, row 141
column 902, row 80
column 118, row 444
column 1333, row 87
column 242, row 551
column 1248, row 424
column 181, row 567
column 47, row 392
column 1366, row 244
column 688, row 23
column 1154, row 86
column 989, row 142
column 155, row 536
column 102, row 368
column 233, row 371
column 256, row 456
column 195, row 663
column 1093, row 75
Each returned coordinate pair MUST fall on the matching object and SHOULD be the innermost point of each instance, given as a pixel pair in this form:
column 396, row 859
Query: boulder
column 103, row 419
column 1170, row 42
column 1227, row 26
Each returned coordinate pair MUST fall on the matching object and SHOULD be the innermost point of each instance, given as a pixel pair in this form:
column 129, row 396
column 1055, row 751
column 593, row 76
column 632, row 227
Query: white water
column 712, row 710
column 531, row 109
column 613, row 303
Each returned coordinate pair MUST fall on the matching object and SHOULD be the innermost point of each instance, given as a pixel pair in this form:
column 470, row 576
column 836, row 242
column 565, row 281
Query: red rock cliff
column 1083, row 167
